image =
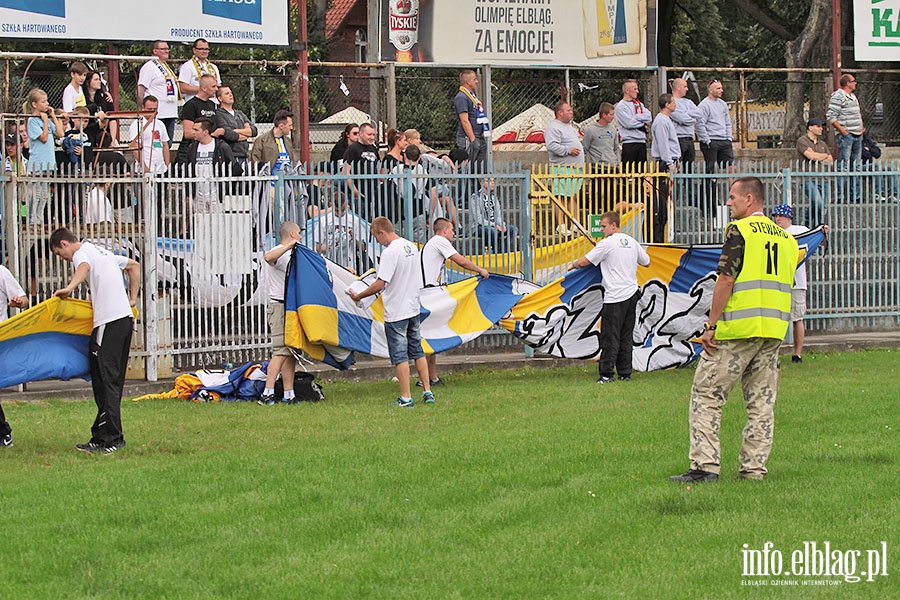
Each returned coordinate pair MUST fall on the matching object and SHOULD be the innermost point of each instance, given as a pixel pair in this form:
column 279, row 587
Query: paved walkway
column 368, row 370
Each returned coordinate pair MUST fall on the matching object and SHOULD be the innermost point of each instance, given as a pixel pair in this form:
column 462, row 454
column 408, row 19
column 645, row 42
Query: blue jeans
column 818, row 194
column 404, row 340
column 498, row 241
column 849, row 157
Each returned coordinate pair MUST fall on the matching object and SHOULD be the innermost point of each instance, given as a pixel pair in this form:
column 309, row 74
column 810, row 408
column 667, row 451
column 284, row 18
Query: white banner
column 513, row 32
column 877, row 30
column 257, row 22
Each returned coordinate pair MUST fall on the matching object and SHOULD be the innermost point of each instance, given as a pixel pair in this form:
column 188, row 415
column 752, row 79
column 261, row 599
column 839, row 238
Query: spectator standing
column 566, row 156
column 282, row 362
column 43, row 128
column 845, row 116
column 436, row 252
column 110, row 340
column 348, row 136
column 601, row 139
column 684, row 116
column 472, row 122
column 275, row 147
column 747, row 322
column 360, row 159
column 190, row 72
column 666, row 151
column 815, row 156
column 150, row 139
column 618, row 256
column 211, row 161
column 714, row 130
column 201, row 106
column 393, row 163
column 783, row 215
column 400, row 276
column 487, row 219
column 157, row 79
column 633, row 119
column 11, row 296
column 236, row 127
column 73, row 95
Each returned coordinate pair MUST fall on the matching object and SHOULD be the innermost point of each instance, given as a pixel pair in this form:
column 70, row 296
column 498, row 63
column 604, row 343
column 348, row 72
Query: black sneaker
column 6, row 440
column 796, row 359
column 694, row 476
column 624, row 377
column 113, row 448
column 606, row 380
column 90, row 447
column 433, row 382
column 267, row 400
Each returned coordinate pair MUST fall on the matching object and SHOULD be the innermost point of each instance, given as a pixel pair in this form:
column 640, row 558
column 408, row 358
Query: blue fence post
column 525, row 234
column 787, row 174
column 408, row 206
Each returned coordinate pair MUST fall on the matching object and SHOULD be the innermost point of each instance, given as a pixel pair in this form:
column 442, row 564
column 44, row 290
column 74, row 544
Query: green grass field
column 515, row 484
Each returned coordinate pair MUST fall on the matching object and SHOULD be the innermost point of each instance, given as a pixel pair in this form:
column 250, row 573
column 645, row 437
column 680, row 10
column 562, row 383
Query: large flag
column 49, row 340
column 324, row 322
column 563, row 318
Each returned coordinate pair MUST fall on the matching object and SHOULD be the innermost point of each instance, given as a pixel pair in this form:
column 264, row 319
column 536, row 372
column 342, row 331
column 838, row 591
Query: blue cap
column 783, row 210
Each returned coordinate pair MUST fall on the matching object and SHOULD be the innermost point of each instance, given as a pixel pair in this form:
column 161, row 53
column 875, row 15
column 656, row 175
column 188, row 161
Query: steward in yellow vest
column 760, row 302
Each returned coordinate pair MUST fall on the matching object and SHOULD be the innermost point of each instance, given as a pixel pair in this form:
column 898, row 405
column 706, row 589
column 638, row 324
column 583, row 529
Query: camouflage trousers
column 755, row 362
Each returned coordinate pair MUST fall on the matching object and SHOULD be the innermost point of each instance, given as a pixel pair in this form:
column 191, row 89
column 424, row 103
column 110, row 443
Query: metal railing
column 200, row 240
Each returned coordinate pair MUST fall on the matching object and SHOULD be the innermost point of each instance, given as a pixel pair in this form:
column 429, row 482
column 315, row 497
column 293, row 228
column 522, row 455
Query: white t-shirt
column 434, row 255
column 97, row 208
column 189, row 75
column 800, row 278
column 160, row 81
column 73, row 97
column 108, row 296
column 9, row 287
column 152, row 139
column 206, row 190
column 618, row 257
column 276, row 275
column 399, row 268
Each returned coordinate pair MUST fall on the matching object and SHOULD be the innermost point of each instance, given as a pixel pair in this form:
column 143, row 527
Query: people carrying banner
column 400, row 277
column 437, row 251
column 11, row 296
column 110, row 340
column 748, row 319
column 618, row 256
column 282, row 362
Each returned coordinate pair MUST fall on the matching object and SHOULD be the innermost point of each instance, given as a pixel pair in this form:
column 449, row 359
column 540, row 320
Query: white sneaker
column 562, row 230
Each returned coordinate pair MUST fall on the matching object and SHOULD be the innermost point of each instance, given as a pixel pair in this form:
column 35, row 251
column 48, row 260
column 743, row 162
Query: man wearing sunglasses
column 845, row 116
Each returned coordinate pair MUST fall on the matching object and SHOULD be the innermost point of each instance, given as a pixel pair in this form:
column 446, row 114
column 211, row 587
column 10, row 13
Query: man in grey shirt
column 566, row 156
column 633, row 118
column 601, row 139
column 666, row 150
column 684, row 117
column 238, row 128
column 714, row 130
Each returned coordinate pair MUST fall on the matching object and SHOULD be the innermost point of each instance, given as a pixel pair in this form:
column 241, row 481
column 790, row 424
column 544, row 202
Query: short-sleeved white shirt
column 73, row 97
column 9, row 287
column 800, row 277
column 98, row 208
column 188, row 74
column 276, row 274
column 153, row 137
column 618, row 257
column 399, row 268
column 108, row 296
column 434, row 255
column 153, row 78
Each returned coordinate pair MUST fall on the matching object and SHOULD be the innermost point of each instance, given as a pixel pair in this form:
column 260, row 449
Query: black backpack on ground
column 305, row 388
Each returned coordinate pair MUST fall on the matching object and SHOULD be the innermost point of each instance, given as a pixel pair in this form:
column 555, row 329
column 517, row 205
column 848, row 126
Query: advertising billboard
column 605, row 33
column 257, row 22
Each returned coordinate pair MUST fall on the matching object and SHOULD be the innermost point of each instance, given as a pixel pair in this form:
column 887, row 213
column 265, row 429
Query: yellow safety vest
column 760, row 304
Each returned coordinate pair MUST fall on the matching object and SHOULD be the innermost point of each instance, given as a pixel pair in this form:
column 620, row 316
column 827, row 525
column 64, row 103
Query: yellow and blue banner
column 49, row 340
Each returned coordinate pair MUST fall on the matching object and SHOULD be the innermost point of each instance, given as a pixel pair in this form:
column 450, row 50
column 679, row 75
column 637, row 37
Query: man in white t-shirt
column 110, row 340
column 282, row 361
column 151, row 146
column 400, row 276
column 190, row 72
column 11, row 295
column 433, row 257
column 157, row 79
column 783, row 215
column 618, row 256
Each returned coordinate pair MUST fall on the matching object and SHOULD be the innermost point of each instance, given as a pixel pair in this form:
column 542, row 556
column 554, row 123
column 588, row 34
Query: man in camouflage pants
column 747, row 322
